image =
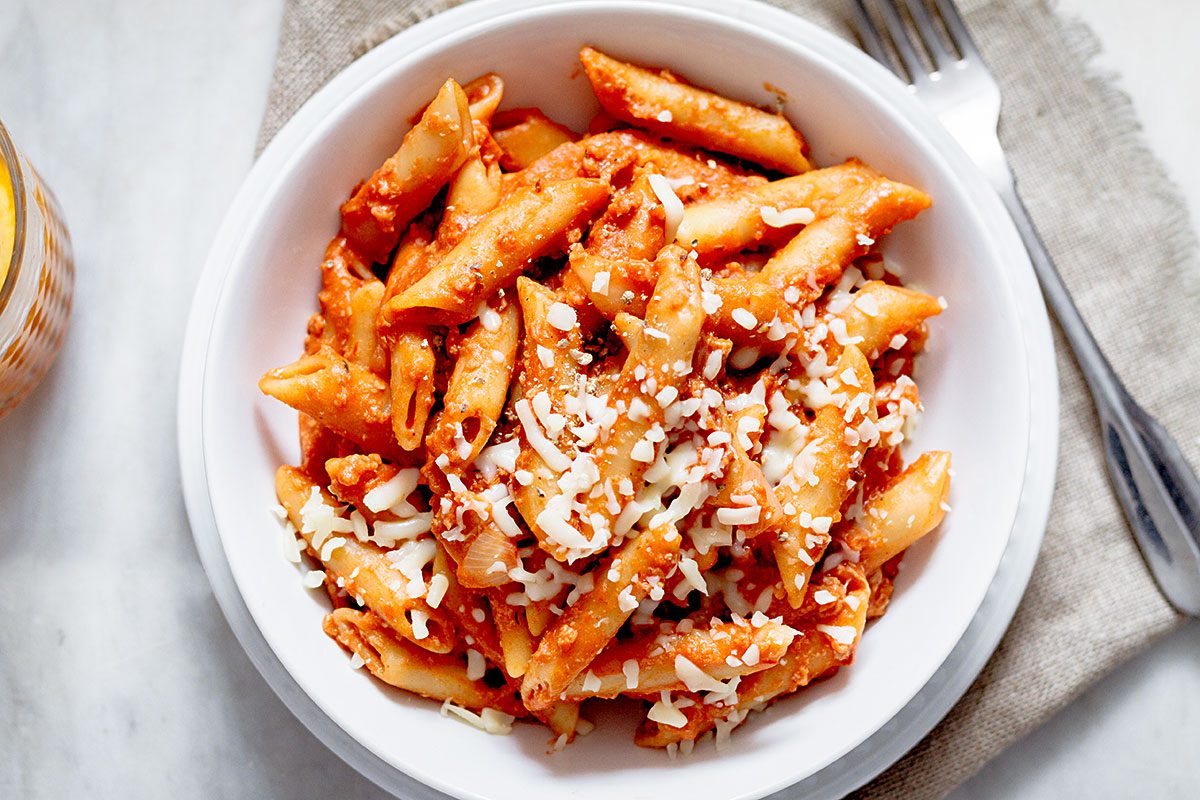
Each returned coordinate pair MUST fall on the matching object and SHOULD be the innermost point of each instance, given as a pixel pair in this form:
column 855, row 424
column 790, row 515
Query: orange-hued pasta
column 525, row 135
column 362, row 568
column 626, row 578
column 374, row 218
column 619, row 415
column 743, row 219
column 839, row 435
column 478, row 387
column 340, row 395
column 819, row 253
column 395, row 661
column 647, row 664
column 527, row 225
column 663, row 104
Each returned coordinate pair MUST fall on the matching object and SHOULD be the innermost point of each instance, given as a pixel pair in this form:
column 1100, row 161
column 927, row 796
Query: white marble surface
column 118, row 675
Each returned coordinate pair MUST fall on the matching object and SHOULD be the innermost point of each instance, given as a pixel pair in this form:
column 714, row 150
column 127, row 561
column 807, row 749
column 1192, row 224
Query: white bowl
column 987, row 383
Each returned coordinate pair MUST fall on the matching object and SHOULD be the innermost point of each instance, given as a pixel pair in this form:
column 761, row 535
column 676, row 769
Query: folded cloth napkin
column 1119, row 232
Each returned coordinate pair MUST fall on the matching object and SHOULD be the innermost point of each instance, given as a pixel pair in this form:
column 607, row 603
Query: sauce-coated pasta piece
column 663, row 104
column 375, row 217
column 583, row 630
column 527, row 225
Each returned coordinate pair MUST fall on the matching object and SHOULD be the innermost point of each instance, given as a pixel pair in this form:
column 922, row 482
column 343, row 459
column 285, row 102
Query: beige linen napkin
column 1119, row 232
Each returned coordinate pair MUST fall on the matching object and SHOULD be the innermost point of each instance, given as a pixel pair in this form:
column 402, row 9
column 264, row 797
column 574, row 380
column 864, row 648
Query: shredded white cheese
column 489, row 720
column 392, row 492
column 842, row 634
column 562, row 316
column 632, row 673
column 672, row 205
column 775, row 218
column 600, row 282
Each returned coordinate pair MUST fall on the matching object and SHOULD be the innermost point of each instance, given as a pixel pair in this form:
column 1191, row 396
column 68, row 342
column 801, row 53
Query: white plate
column 989, row 386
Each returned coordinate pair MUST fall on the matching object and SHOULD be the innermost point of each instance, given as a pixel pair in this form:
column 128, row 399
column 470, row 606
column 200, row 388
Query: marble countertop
column 118, row 674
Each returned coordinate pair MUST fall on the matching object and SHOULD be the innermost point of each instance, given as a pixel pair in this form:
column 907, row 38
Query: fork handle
column 1156, row 486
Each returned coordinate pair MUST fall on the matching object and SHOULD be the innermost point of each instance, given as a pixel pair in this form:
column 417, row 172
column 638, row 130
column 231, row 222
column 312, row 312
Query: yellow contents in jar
column 8, row 222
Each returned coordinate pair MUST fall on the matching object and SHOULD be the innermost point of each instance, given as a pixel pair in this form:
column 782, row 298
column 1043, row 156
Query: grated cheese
column 842, row 634
column 751, row 657
column 665, row 712
column 672, row 205
column 393, row 492
column 555, row 459
column 489, row 720
column 562, row 316
column 775, row 218
column 632, row 673
column 739, row 515
column 744, row 318
column 438, row 585
column 824, row 597
column 476, row 665
column 420, row 624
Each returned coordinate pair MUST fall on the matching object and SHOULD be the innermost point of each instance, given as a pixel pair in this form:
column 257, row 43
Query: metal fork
column 1154, row 483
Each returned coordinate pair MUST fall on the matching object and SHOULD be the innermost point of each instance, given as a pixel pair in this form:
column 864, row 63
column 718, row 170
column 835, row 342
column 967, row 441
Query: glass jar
column 36, row 279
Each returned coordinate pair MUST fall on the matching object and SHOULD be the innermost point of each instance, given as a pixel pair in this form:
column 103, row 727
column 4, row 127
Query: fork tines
column 919, row 39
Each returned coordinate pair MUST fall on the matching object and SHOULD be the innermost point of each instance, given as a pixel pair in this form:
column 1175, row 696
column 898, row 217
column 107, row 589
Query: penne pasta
column 525, row 135
column 819, row 648
column 412, row 360
column 377, row 214
column 694, row 175
column 364, row 346
column 361, row 568
column 838, row 437
column 478, row 386
column 880, row 312
column 819, row 253
column 633, row 226
column 499, row 248
column 398, row 663
column 912, row 505
column 411, row 261
column 563, row 163
column 663, row 104
column 564, row 723
column 410, row 386
column 469, row 610
column 746, row 486
column 750, row 313
column 650, row 376
column 473, row 192
column 586, row 627
column 516, row 642
column 746, row 218
column 343, row 272
column 483, row 97
column 340, row 395
column 550, row 375
column 614, row 285
column 646, row 665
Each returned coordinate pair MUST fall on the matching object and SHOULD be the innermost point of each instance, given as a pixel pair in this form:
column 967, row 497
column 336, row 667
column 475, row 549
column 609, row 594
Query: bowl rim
column 306, row 124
